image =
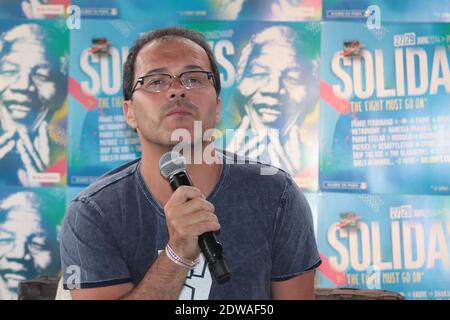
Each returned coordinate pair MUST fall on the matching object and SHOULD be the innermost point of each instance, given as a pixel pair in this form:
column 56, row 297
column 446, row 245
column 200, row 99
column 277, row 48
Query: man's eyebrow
column 257, row 64
column 192, row 66
column 39, row 233
column 157, row 70
column 44, row 64
column 7, row 62
column 165, row 70
column 9, row 232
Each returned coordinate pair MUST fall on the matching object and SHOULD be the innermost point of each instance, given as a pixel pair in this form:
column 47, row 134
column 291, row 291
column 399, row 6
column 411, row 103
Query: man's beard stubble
column 167, row 141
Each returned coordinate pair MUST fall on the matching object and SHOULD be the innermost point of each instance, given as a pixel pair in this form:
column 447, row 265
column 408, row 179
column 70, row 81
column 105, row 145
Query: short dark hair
column 166, row 33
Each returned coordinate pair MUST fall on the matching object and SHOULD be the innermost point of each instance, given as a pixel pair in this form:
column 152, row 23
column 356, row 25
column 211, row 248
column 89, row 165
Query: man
column 278, row 101
column 124, row 230
column 28, row 245
column 32, row 87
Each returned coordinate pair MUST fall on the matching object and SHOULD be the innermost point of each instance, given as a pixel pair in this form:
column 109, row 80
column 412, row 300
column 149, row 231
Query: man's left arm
column 300, row 287
column 295, row 255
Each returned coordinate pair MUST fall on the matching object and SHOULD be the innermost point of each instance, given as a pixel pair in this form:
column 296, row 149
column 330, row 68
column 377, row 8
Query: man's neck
column 204, row 176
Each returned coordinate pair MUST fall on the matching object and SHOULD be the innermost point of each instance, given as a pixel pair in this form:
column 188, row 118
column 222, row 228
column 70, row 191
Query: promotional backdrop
column 349, row 97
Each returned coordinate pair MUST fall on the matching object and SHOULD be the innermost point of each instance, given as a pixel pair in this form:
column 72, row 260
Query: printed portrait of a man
column 28, row 237
column 33, row 88
column 277, row 98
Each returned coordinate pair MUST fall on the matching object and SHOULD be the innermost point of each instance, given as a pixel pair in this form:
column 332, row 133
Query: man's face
column 26, row 85
column 24, row 249
column 153, row 113
column 273, row 85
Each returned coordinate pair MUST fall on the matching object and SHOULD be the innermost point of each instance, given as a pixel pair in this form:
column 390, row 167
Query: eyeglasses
column 162, row 81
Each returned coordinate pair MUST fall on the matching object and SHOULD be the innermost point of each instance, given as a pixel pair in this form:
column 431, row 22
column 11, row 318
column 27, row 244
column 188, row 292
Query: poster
column 385, row 117
column 276, row 10
column 270, row 101
column 387, row 10
column 33, row 106
column 101, row 140
column 71, row 193
column 388, row 242
column 313, row 199
column 33, row 9
column 30, row 220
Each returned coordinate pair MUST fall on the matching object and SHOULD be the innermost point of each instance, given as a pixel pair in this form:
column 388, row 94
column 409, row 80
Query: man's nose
column 272, row 85
column 19, row 251
column 177, row 89
column 23, row 81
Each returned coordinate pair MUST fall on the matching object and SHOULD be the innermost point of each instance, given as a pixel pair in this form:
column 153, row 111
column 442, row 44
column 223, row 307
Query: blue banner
column 385, row 114
column 100, row 139
column 387, row 11
column 395, row 243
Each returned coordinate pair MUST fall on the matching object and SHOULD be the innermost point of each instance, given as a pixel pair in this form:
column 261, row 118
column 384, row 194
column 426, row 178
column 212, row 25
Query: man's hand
column 247, row 141
column 30, row 155
column 7, row 143
column 5, row 293
column 188, row 215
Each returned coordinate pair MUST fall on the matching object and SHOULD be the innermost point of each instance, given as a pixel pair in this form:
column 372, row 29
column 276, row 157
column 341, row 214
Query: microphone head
column 171, row 163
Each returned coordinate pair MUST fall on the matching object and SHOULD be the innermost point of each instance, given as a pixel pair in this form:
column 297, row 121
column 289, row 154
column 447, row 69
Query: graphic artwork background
column 357, row 114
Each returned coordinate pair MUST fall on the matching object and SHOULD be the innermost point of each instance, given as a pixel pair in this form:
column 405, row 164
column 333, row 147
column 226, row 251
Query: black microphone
column 173, row 167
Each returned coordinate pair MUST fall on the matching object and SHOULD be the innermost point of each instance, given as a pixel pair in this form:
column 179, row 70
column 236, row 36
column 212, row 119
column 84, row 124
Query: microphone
column 173, row 167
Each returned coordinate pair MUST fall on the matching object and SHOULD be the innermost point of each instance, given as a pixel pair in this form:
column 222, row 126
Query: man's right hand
column 188, row 215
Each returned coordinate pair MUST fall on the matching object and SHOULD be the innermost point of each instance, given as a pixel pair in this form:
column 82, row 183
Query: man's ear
column 128, row 112
column 218, row 109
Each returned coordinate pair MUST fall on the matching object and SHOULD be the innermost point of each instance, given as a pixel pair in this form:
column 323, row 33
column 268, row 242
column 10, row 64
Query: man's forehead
column 278, row 49
column 170, row 39
column 23, row 218
column 160, row 53
column 19, row 53
column 273, row 56
column 21, row 212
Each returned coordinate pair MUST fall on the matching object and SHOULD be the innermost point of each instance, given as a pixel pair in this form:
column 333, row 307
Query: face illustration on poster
column 277, row 98
column 25, row 242
column 275, row 9
column 30, row 91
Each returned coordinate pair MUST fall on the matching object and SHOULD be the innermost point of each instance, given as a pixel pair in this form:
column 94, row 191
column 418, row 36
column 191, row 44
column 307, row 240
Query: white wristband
column 172, row 255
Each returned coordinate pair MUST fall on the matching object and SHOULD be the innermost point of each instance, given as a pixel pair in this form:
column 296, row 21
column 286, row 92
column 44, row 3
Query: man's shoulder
column 112, row 180
column 255, row 172
column 261, row 185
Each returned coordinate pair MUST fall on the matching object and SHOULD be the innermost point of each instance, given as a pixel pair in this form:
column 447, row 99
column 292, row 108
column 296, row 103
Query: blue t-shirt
column 114, row 230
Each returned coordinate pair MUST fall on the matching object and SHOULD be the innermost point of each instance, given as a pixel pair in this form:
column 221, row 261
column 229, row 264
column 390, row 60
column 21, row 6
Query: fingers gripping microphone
column 173, row 167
